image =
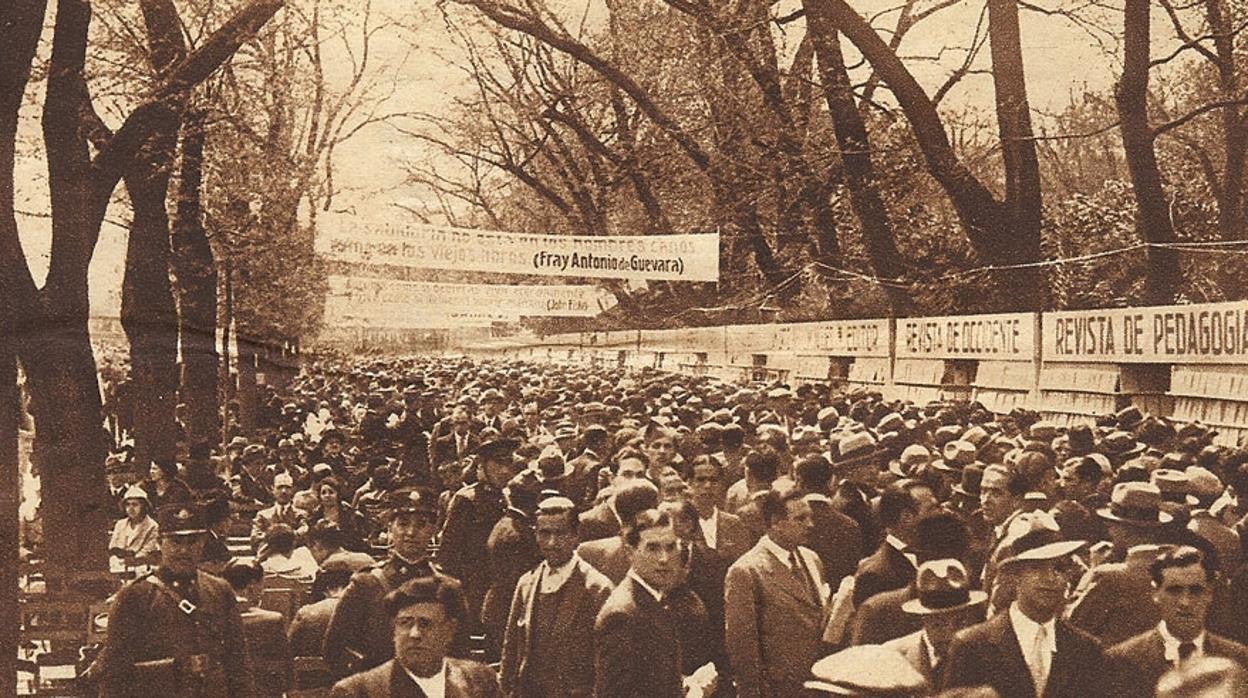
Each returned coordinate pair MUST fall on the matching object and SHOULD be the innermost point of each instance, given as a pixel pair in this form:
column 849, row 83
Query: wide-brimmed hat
column 1175, row 486
column 1121, row 444
column 854, row 449
column 551, row 465
column 1035, row 536
column 968, row 483
column 1136, row 504
column 957, row 454
column 866, row 670
column 1206, row 486
column 941, row 586
column 1128, row 418
column 499, row 447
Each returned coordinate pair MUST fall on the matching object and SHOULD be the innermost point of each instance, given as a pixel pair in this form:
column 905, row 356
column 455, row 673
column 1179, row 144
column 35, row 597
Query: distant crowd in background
column 462, row 527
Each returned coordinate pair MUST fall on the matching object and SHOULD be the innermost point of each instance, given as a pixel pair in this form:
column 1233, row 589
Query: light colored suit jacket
column 572, row 641
column 464, row 679
column 772, row 625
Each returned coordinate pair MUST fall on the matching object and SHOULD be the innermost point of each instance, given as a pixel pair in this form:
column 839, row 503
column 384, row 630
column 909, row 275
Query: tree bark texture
column 978, row 210
column 196, row 289
column 855, row 146
column 1152, row 213
column 1018, row 150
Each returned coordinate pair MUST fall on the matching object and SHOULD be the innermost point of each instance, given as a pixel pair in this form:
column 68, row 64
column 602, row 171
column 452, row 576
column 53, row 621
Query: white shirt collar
column 433, row 686
column 658, row 595
column 553, row 579
column 775, row 549
column 1172, row 643
column 1026, row 629
column 932, row 655
column 710, row 528
column 818, row 497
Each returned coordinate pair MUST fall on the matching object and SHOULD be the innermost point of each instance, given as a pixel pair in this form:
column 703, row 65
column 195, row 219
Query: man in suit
column 945, row 603
column 1183, row 583
column 426, row 613
column 891, row 566
column 282, row 511
column 722, row 531
column 357, row 636
column 611, row 556
column 1027, row 650
column 1114, row 599
column 836, row 538
column 774, row 601
column 307, row 629
column 452, row 439
column 938, row 535
column 582, row 484
column 548, row 646
column 265, row 631
column 637, row 650
column 603, row 521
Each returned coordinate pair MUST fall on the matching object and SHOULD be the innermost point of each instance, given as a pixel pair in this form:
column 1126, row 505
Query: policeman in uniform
column 471, row 516
column 359, row 635
column 178, row 631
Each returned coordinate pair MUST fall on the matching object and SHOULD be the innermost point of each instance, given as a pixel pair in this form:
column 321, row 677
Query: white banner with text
column 691, row 257
column 427, row 297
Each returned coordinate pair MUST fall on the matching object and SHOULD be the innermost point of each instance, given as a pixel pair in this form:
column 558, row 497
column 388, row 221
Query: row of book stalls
column 1188, row 362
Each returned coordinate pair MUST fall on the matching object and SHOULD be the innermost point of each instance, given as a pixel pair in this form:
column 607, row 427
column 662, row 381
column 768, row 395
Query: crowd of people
column 490, row 527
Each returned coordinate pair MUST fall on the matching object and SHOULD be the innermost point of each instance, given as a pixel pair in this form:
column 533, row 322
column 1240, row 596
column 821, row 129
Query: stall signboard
column 1001, row 337
column 1210, row 333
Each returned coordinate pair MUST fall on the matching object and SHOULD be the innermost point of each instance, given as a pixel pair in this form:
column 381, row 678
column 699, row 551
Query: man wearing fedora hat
column 1113, row 600
column 1028, row 650
column 1183, row 588
column 857, row 467
column 946, row 604
column 355, row 638
column 865, row 671
column 938, row 535
column 177, row 631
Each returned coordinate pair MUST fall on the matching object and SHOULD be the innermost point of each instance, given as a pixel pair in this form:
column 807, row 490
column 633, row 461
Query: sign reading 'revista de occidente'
column 693, row 257
column 1207, row 333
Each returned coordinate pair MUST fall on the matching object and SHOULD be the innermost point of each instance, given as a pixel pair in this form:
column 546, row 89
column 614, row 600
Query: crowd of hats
column 1154, row 471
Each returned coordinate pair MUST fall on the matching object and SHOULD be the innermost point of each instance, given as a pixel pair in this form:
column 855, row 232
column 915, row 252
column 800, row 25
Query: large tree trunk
column 982, row 217
column 1230, row 192
column 855, row 146
column 70, row 442
column 196, row 274
column 1152, row 216
column 148, row 314
column 1018, row 149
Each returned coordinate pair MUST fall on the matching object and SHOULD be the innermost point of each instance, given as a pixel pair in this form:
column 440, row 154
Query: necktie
column 1039, row 660
column 1186, row 650
column 799, row 570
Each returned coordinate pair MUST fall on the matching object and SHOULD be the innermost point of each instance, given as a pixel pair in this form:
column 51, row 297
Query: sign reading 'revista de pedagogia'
column 1206, row 333
column 693, row 257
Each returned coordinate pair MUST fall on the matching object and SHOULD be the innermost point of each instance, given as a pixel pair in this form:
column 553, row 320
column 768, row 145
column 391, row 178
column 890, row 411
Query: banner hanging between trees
column 425, row 298
column 653, row 257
